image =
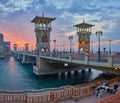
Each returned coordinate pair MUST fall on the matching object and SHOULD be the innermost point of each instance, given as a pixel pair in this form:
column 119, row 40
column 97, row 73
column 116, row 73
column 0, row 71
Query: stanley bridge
column 108, row 63
column 48, row 62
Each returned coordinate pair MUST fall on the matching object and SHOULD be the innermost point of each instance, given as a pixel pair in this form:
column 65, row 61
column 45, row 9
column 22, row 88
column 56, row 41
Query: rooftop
column 83, row 25
column 42, row 19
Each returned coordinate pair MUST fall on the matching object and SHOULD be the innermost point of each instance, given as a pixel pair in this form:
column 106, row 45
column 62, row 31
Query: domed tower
column 83, row 32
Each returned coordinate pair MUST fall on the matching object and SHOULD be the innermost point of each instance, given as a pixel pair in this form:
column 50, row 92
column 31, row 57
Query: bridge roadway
column 107, row 63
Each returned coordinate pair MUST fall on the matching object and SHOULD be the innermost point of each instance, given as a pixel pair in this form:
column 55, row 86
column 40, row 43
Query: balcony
column 43, row 28
column 83, row 32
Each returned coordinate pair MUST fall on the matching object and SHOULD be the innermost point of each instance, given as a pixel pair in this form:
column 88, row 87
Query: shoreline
column 101, row 77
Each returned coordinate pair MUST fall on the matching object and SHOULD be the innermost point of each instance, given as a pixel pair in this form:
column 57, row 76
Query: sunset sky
column 16, row 16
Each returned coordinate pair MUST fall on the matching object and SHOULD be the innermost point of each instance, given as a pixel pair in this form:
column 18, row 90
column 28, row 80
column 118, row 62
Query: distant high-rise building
column 7, row 49
column 4, row 47
column 15, row 47
column 1, row 45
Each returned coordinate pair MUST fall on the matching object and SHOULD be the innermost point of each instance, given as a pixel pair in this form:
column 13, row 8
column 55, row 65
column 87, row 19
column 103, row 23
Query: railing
column 66, row 56
column 38, row 99
column 66, row 92
column 78, row 57
column 116, row 59
column 12, row 98
column 44, row 28
column 92, row 60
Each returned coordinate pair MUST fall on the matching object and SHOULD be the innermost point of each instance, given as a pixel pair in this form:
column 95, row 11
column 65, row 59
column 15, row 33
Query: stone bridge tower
column 42, row 29
column 83, row 32
column 26, row 47
column 15, row 47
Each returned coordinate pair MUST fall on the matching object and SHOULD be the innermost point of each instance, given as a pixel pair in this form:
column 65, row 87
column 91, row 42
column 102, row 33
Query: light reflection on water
column 15, row 76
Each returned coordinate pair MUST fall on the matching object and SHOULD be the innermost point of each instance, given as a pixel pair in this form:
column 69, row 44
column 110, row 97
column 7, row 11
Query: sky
column 16, row 16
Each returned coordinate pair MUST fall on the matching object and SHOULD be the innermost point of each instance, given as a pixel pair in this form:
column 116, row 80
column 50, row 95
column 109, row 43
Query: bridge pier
column 28, row 60
column 19, row 56
column 83, row 71
column 76, row 72
column 43, row 68
column 69, row 73
column 89, row 70
column 14, row 54
column 62, row 74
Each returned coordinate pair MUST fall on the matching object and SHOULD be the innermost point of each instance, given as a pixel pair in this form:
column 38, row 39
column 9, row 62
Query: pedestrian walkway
column 111, row 99
column 65, row 94
column 89, row 99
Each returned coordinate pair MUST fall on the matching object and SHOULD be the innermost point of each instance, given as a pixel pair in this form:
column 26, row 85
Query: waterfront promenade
column 89, row 99
column 65, row 94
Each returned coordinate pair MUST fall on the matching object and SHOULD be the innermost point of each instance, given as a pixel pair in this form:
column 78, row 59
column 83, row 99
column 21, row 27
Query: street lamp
column 104, row 51
column 73, row 47
column 109, row 46
column 70, row 38
column 99, row 33
column 54, row 41
column 92, row 46
column 63, row 48
column 32, row 48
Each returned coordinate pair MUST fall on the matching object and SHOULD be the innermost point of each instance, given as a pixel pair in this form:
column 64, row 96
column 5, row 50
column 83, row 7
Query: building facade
column 1, row 45
column 4, row 47
column 7, row 50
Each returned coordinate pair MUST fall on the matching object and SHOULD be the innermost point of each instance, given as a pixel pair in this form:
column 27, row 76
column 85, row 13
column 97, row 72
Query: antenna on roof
column 83, row 21
column 42, row 14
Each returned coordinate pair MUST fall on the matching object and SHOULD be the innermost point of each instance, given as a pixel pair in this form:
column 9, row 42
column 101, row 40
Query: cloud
column 71, row 33
column 15, row 17
column 14, row 5
column 60, row 4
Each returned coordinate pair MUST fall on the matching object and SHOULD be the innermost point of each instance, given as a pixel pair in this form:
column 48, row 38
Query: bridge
column 46, row 61
column 49, row 60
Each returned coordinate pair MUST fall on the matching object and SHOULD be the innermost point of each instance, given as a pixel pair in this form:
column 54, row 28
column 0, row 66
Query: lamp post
column 109, row 46
column 54, row 41
column 104, row 52
column 92, row 46
column 63, row 48
column 99, row 33
column 35, row 49
column 70, row 38
column 73, row 48
column 32, row 48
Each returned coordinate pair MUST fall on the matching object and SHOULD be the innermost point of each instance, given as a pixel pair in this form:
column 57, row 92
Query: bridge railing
column 116, row 59
column 94, row 58
column 108, row 61
column 78, row 57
